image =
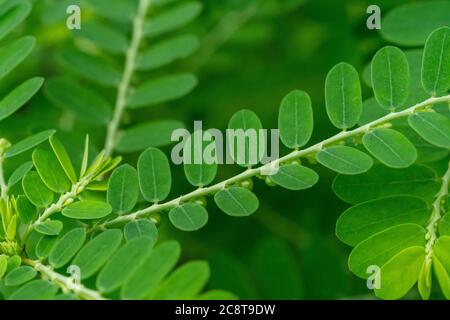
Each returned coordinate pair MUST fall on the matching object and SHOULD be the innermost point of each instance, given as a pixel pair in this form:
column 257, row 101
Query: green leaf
column 436, row 62
column 343, row 96
column 390, row 147
column 45, row 246
column 345, row 160
column 188, row 216
column 96, row 69
column 390, row 77
column 123, row 189
column 185, row 282
column 13, row 262
column 118, row 10
column 199, row 170
column 49, row 227
column 381, row 181
column 13, row 54
column 161, row 90
column 28, row 143
column 19, row 96
column 148, row 134
column 148, row 276
column 371, row 111
column 20, row 275
column 104, row 37
column 217, row 295
column 97, row 252
column 13, row 17
column 166, row 52
column 444, row 225
column 400, row 273
column 367, row 218
column 63, row 158
column 425, row 279
column 50, row 171
column 141, row 228
column 18, row 174
column 36, row 191
column 246, row 145
column 295, row 119
column 88, row 209
column 432, row 126
column 85, row 159
column 66, row 247
column 442, row 277
column 441, row 263
column 80, row 100
column 27, row 212
column 382, row 246
column 35, row 290
column 295, row 177
column 401, row 26
column 172, row 19
column 123, row 264
column 236, row 201
column 3, row 265
column 155, row 179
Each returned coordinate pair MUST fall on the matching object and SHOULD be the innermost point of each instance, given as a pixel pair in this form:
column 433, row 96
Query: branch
column 67, row 284
column 124, row 84
column 249, row 173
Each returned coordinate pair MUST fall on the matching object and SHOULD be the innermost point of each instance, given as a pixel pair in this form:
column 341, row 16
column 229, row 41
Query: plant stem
column 67, row 284
column 436, row 214
column 124, row 85
column 342, row 136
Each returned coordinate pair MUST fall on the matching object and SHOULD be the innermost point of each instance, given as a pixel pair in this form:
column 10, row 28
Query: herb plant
column 87, row 213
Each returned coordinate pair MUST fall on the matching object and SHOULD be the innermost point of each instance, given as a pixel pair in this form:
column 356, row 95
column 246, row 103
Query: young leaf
column 28, row 143
column 63, row 158
column 236, row 201
column 345, row 160
column 365, row 219
column 382, row 246
column 15, row 53
column 66, row 247
column 166, row 52
column 27, row 212
column 198, row 170
column 246, row 144
column 148, row 276
column 185, row 282
column 162, row 90
column 295, row 119
column 13, row 17
column 172, row 18
column 390, row 147
column 436, row 62
column 88, row 209
column 154, row 175
column 400, row 273
column 424, row 282
column 18, row 174
column 432, row 126
column 35, row 290
column 50, row 171
column 19, row 96
column 188, row 216
column 390, row 77
column 85, row 159
column 295, row 177
column 49, row 228
column 149, row 134
column 343, row 96
column 82, row 101
column 45, row 246
column 20, row 275
column 123, row 189
column 97, row 252
column 123, row 264
column 104, row 37
column 36, row 191
column 141, row 228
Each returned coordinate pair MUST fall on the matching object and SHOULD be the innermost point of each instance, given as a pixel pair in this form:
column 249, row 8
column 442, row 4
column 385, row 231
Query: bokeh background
column 252, row 53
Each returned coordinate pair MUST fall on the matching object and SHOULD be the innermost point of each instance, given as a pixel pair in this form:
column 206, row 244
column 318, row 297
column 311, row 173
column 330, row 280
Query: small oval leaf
column 188, row 217
column 88, row 209
column 236, row 201
column 295, row 177
column 123, row 189
column 345, row 160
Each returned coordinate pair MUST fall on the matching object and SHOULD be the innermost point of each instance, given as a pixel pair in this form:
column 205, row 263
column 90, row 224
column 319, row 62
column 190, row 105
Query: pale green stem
column 67, row 284
column 249, row 173
column 124, row 85
column 436, row 215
